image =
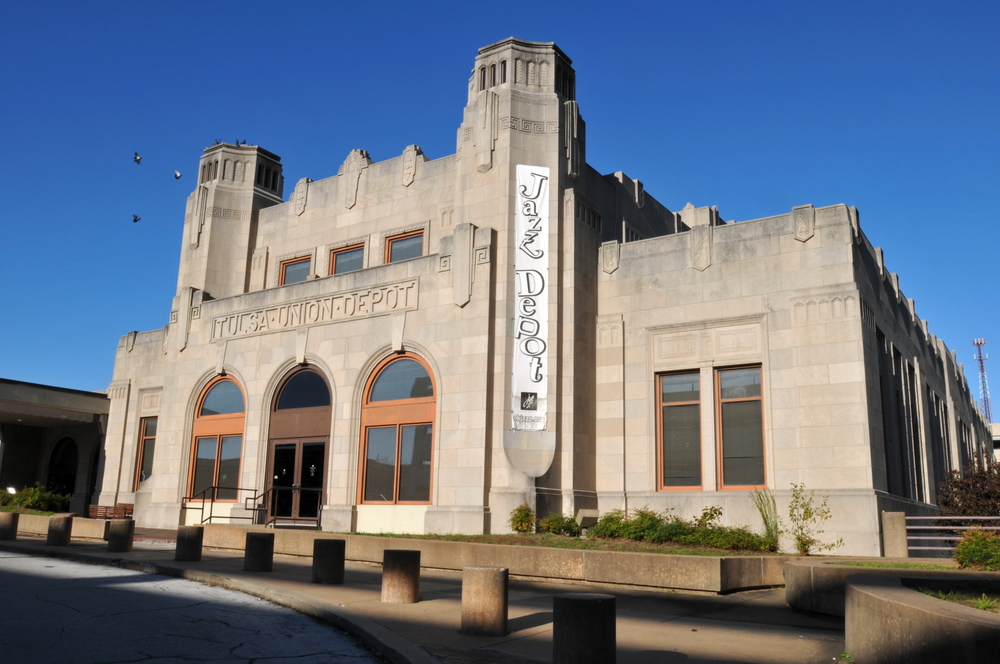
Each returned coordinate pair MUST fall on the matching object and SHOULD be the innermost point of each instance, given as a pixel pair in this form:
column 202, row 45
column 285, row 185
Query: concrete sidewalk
column 753, row 627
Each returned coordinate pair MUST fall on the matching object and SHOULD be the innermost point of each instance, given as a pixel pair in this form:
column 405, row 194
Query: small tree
column 975, row 492
column 806, row 518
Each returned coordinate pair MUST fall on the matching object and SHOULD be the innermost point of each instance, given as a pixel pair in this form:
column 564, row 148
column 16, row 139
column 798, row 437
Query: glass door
column 296, row 478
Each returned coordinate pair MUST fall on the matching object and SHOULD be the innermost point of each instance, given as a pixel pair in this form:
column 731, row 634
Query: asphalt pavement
column 666, row 627
column 71, row 613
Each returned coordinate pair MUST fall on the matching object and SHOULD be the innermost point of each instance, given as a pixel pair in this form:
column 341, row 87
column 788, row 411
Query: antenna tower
column 984, row 388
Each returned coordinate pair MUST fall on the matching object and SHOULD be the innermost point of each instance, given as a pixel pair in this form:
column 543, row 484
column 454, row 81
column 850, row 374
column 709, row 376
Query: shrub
column 709, row 517
column 522, row 519
column 806, row 518
column 979, row 549
column 659, row 527
column 610, row 525
column 768, row 508
column 977, row 493
column 36, row 498
column 558, row 524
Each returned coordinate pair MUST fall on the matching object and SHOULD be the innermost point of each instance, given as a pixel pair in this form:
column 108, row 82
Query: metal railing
column 205, row 500
column 942, row 532
column 268, row 505
column 259, row 506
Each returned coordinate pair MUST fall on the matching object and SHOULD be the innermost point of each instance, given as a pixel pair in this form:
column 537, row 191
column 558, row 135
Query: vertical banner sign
column 529, row 384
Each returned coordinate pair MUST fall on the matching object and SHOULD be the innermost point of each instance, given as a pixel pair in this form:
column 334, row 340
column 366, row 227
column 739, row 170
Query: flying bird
column 177, row 174
column 137, row 158
column 135, row 218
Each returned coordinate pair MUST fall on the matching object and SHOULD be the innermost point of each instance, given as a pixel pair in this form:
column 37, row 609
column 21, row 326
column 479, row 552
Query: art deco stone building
column 421, row 345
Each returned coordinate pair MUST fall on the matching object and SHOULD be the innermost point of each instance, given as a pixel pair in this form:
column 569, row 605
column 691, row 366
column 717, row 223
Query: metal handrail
column 256, row 503
column 941, row 530
column 208, row 496
column 270, row 519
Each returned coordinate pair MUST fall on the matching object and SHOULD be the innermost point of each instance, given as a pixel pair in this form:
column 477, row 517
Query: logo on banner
column 529, row 380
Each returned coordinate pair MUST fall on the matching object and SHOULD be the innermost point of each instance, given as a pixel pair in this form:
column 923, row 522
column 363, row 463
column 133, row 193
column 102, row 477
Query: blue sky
column 751, row 106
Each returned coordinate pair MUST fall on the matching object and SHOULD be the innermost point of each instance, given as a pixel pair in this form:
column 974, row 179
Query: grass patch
column 566, row 542
column 982, row 601
column 22, row 510
column 859, row 563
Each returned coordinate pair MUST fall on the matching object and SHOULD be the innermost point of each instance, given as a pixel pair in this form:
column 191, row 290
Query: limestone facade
column 635, row 292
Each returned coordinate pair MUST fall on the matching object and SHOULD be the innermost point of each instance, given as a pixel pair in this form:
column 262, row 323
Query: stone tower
column 220, row 221
column 522, row 111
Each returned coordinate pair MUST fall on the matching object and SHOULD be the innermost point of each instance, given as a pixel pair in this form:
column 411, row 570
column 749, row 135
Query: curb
column 384, row 641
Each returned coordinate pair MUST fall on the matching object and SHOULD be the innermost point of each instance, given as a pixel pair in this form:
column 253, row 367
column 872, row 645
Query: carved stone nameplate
column 352, row 305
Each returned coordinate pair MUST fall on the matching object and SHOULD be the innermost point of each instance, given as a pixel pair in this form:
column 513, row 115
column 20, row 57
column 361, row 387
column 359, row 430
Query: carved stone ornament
column 571, row 139
column 130, row 341
column 487, row 116
column 410, row 155
column 300, row 195
column 356, row 162
column 701, row 247
column 610, row 255
column 804, row 221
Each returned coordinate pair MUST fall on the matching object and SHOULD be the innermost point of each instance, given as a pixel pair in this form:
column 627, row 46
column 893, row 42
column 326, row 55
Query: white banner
column 529, row 384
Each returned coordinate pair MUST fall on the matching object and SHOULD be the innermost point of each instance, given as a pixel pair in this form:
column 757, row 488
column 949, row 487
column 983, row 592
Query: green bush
column 979, row 549
column 558, row 524
column 522, row 519
column 36, row 498
column 610, row 525
column 647, row 525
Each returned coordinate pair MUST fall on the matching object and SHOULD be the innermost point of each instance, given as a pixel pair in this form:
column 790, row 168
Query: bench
column 119, row 511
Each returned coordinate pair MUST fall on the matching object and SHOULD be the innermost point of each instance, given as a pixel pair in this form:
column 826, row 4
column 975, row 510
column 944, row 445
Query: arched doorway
column 62, row 468
column 298, row 439
column 397, row 433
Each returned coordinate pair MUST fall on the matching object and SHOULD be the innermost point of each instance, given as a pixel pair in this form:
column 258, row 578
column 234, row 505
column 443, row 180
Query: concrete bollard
column 484, row 601
column 121, row 533
column 583, row 628
column 8, row 525
column 400, row 576
column 258, row 554
column 328, row 560
column 894, row 535
column 60, row 529
column 189, row 539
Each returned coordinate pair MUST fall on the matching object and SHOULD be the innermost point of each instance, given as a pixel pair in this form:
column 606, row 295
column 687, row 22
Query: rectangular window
column 294, row 271
column 680, row 430
column 348, row 259
column 217, row 463
column 403, row 247
column 741, row 426
column 147, row 445
column 398, row 463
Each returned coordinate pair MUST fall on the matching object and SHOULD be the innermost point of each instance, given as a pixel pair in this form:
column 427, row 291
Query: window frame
column 218, row 426
column 660, row 486
column 398, row 413
column 141, row 451
column 719, row 433
column 389, row 240
column 293, row 261
column 344, row 250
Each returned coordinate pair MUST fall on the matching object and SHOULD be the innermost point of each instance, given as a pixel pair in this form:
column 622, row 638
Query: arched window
column 218, row 442
column 298, row 438
column 493, row 75
column 62, row 468
column 397, row 432
column 503, row 72
column 482, row 78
